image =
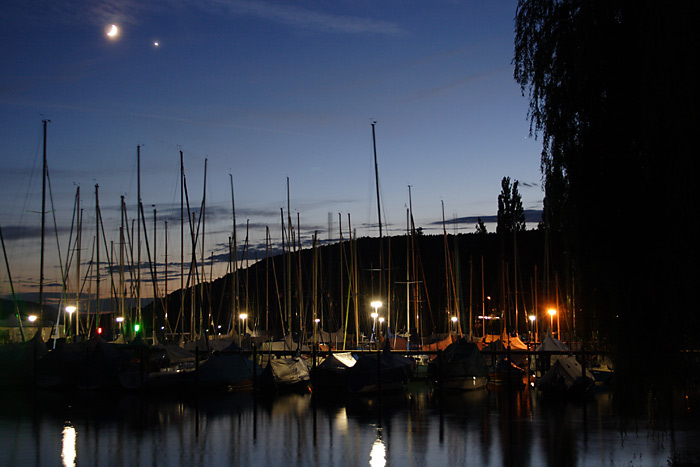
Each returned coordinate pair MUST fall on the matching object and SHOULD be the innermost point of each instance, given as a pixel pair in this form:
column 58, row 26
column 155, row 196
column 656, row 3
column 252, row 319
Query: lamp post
column 532, row 319
column 376, row 304
column 374, row 324
column 381, row 323
column 552, row 312
column 70, row 309
column 242, row 317
column 120, row 320
column 454, row 320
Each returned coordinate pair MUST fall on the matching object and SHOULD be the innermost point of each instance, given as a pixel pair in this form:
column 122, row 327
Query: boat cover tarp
column 175, row 354
column 514, row 341
column 460, row 359
column 286, row 344
column 550, row 344
column 500, row 345
column 288, row 371
column 330, row 376
column 221, row 370
column 439, row 345
column 338, row 360
column 564, row 374
column 398, row 343
column 394, row 369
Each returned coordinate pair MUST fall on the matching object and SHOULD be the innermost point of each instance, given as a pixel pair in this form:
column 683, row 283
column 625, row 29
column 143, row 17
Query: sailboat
column 459, row 367
column 19, row 360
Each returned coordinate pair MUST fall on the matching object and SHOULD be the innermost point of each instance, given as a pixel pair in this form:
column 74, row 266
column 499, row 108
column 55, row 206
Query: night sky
column 263, row 91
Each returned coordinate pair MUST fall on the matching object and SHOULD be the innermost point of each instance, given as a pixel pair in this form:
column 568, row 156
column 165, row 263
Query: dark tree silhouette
column 613, row 96
column 480, row 226
column 511, row 216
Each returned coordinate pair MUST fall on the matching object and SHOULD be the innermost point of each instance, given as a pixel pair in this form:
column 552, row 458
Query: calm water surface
column 417, row 428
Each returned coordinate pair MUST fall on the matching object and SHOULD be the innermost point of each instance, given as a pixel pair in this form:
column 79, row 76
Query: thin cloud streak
column 308, row 19
column 130, row 12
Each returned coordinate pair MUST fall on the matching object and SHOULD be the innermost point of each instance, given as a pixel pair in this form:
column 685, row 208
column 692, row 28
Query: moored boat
column 331, row 375
column 459, row 367
column 286, row 374
column 382, row 371
column 566, row 378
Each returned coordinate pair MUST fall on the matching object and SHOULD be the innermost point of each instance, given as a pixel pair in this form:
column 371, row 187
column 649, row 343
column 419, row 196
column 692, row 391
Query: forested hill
column 435, row 265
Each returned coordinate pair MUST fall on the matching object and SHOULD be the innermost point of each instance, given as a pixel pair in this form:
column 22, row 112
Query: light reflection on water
column 68, row 452
column 411, row 429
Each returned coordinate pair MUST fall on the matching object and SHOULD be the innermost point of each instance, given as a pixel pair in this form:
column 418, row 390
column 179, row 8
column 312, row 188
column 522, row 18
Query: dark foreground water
column 417, row 428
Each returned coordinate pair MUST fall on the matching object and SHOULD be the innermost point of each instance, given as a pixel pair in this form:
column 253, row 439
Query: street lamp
column 532, row 319
column 381, row 322
column 552, row 312
column 454, row 320
column 374, row 324
column 70, row 309
column 316, row 321
column 376, row 304
column 120, row 320
column 31, row 318
column 242, row 317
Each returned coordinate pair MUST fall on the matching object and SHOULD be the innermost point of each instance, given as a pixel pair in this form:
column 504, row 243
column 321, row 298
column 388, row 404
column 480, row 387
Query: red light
column 99, row 330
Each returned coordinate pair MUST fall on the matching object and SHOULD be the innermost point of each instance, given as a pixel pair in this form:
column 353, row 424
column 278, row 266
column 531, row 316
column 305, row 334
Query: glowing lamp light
column 137, row 327
column 120, row 319
column 243, row 316
column 532, row 318
column 70, row 309
column 31, row 318
column 552, row 312
column 99, row 330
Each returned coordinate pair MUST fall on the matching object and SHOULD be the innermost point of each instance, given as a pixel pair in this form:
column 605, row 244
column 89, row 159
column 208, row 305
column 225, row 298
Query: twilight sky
column 262, row 91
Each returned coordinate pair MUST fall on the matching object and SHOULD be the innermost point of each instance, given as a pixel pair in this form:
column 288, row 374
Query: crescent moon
column 113, row 31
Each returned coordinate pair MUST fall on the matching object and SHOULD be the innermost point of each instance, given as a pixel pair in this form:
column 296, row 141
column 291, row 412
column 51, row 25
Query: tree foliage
column 511, row 216
column 480, row 227
column 612, row 94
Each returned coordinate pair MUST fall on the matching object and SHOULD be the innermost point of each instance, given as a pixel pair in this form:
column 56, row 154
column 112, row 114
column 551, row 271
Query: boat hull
column 466, row 383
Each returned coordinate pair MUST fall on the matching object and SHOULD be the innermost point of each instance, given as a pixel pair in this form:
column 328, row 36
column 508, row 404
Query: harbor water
column 419, row 427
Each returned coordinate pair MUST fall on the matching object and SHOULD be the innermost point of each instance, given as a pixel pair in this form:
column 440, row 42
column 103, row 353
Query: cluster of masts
column 128, row 316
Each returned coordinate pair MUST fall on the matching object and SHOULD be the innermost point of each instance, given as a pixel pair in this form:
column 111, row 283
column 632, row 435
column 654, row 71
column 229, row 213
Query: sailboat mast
column 181, row 317
column 165, row 311
column 97, row 256
column 376, row 179
column 12, row 288
column 138, row 229
column 43, row 230
column 379, row 214
column 201, row 288
column 408, row 282
column 289, row 261
column 353, row 269
column 234, row 255
column 79, row 241
column 122, row 286
column 155, row 275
